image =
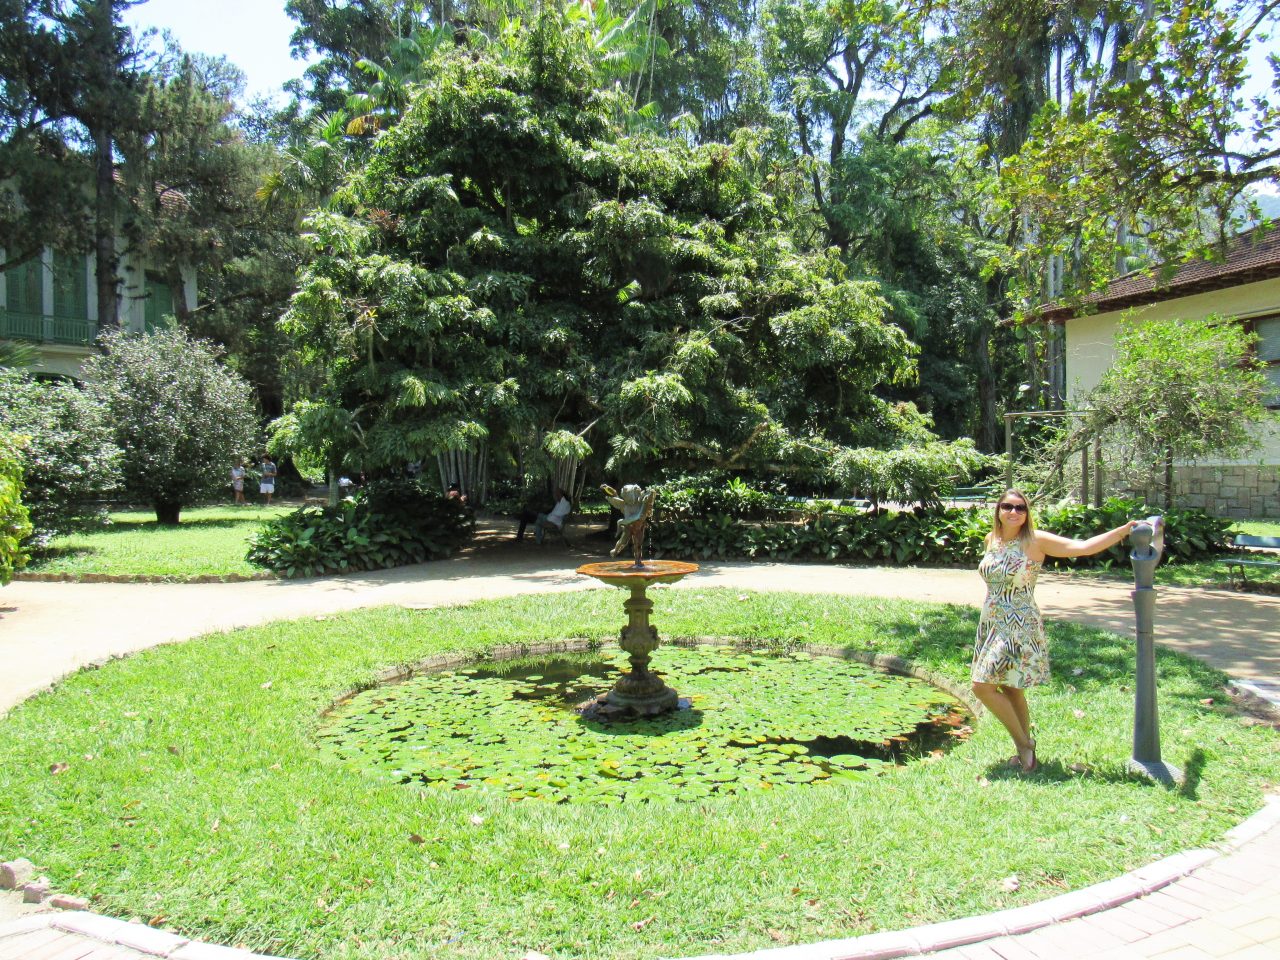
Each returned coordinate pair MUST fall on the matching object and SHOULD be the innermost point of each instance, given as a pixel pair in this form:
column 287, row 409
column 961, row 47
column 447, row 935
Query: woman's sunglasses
column 1013, row 507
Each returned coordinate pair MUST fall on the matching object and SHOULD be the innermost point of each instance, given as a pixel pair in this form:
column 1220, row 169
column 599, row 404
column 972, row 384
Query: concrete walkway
column 48, row 630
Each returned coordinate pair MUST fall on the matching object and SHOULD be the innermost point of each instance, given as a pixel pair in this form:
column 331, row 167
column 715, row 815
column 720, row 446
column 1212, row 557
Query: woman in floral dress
column 1011, row 653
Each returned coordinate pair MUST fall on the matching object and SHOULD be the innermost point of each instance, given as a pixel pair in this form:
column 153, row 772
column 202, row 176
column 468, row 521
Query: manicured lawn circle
column 196, row 797
column 755, row 720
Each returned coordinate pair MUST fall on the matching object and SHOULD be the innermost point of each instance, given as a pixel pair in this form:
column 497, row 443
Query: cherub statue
column 636, row 507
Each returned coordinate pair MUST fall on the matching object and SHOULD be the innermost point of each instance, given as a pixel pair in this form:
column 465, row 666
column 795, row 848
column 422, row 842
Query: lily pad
column 758, row 721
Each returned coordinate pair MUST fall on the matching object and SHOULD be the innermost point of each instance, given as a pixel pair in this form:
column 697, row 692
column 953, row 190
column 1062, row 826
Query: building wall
column 1248, row 486
column 60, row 359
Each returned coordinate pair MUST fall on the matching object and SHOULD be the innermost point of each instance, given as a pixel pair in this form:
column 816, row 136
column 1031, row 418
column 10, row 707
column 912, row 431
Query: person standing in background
column 267, row 484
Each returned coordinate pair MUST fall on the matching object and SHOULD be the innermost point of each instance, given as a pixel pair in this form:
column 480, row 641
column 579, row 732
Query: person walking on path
column 267, row 484
column 1011, row 652
column 237, row 480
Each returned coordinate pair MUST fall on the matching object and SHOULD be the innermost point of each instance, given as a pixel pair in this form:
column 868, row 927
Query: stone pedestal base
column 1159, row 771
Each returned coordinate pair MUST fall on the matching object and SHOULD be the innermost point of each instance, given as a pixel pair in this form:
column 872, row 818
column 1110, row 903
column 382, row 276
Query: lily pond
column 750, row 720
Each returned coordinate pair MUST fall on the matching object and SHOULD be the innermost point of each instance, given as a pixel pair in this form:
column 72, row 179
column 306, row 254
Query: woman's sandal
column 1016, row 761
column 1034, row 765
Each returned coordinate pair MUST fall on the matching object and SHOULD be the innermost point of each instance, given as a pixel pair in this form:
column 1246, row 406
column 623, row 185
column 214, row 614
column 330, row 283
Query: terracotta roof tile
column 1250, row 256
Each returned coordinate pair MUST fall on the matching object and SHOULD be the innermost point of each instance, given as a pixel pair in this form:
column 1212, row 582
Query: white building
column 1245, row 285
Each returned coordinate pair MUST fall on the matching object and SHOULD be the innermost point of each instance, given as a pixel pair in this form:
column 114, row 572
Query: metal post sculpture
column 1147, row 539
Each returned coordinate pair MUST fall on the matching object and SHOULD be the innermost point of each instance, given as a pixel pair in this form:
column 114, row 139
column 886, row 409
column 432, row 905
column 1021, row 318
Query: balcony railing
column 38, row 328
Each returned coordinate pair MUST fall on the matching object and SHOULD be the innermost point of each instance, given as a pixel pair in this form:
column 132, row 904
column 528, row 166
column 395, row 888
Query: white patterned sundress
column 1011, row 649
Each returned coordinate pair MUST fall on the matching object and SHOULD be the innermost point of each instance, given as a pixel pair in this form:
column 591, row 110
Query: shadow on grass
column 151, row 526
column 1061, row 771
column 47, row 554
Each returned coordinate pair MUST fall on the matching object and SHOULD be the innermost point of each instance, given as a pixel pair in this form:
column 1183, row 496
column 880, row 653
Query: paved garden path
column 48, row 630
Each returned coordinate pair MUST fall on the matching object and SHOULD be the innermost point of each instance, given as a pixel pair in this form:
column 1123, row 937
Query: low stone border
column 141, row 578
column 134, row 936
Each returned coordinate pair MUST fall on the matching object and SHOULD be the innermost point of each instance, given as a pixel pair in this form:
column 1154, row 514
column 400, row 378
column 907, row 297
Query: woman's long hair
column 1028, row 531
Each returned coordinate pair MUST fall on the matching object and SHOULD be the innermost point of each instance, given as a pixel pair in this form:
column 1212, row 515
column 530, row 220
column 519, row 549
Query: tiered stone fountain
column 640, row 692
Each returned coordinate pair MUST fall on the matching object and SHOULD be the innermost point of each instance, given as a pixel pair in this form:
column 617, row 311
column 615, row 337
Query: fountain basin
column 624, row 573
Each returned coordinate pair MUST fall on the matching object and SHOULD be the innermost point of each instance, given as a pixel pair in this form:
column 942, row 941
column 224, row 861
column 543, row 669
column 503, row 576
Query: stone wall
column 1250, row 492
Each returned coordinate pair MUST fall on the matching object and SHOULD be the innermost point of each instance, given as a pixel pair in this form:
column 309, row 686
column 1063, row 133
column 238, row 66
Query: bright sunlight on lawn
column 195, row 796
column 208, row 541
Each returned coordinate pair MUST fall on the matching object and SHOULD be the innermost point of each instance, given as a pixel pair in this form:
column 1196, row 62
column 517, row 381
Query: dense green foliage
column 880, row 537
column 387, row 524
column 778, row 236
column 179, row 416
column 699, row 495
column 1190, row 535
column 15, row 526
column 629, row 292
column 70, row 459
column 936, row 536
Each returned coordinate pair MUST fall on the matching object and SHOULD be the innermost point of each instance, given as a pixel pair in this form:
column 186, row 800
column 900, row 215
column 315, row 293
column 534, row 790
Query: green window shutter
column 70, row 286
column 24, row 288
column 159, row 303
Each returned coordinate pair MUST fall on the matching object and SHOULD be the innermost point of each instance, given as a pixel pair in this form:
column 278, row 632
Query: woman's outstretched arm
column 1056, row 546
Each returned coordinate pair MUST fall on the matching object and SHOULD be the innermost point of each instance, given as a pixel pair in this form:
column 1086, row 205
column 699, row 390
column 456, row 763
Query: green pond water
column 750, row 720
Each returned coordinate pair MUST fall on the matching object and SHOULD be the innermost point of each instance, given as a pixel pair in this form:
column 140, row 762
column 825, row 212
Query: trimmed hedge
column 925, row 536
column 390, row 523
column 937, row 536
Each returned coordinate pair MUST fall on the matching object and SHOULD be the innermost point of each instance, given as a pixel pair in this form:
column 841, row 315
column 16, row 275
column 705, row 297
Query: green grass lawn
column 194, row 796
column 208, row 541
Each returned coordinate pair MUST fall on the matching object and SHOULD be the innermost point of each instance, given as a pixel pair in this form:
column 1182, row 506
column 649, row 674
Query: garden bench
column 561, row 532
column 1236, row 565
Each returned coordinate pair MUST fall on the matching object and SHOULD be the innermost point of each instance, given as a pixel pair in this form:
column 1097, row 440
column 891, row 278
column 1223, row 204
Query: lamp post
column 1147, row 539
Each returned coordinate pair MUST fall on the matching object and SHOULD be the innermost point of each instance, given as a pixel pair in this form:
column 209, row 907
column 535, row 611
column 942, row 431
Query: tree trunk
column 104, row 232
column 100, row 123
column 167, row 512
column 989, row 438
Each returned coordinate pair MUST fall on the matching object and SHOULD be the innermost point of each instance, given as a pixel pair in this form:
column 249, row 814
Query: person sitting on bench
column 556, row 517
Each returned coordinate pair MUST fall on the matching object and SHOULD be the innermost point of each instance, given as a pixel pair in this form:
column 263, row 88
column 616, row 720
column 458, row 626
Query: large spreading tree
column 511, row 268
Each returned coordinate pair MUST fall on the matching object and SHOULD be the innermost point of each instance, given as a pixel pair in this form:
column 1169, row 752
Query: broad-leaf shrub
column 882, row 537
column 388, row 524
column 923, row 473
column 943, row 536
column 70, row 463
column 14, row 523
column 179, row 415
column 702, row 495
column 1189, row 534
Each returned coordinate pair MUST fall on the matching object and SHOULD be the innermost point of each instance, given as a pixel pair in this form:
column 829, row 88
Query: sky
column 252, row 34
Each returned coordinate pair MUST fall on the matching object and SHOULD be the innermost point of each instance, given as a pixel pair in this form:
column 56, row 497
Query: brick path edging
column 1078, row 903
column 133, row 936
